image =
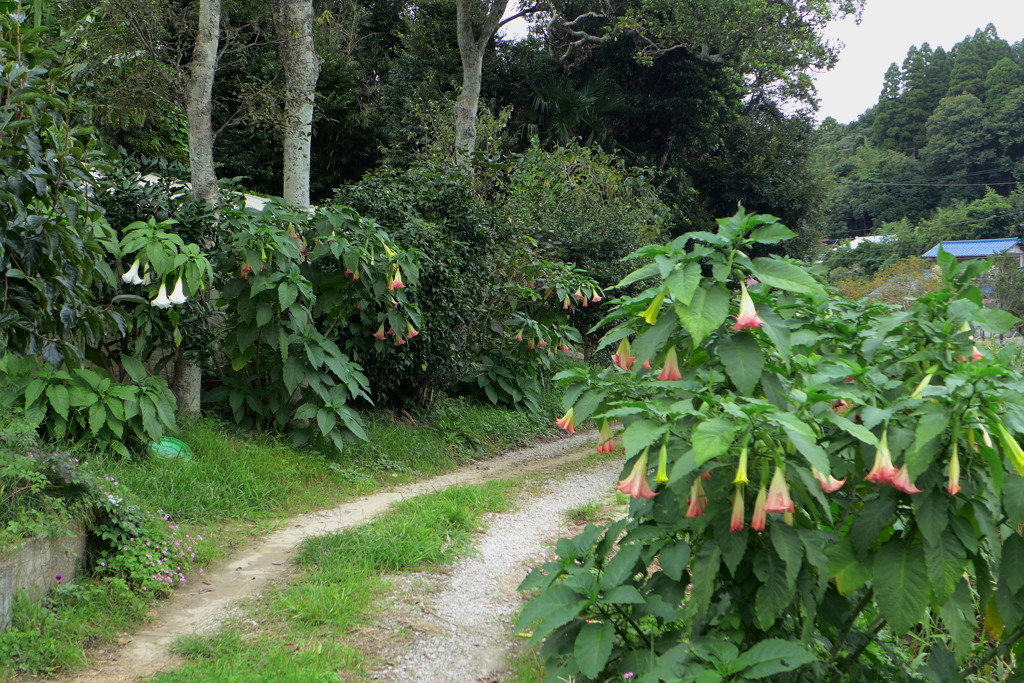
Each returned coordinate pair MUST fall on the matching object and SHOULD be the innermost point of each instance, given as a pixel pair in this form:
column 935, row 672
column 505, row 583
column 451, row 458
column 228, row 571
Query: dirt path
column 203, row 606
column 463, row 616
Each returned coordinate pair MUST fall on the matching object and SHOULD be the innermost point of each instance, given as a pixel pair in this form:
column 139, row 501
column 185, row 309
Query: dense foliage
column 829, row 476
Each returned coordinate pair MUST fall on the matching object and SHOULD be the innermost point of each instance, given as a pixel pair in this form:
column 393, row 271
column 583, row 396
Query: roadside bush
column 877, row 448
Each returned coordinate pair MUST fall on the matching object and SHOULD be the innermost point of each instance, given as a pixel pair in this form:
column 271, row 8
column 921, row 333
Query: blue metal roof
column 973, row 248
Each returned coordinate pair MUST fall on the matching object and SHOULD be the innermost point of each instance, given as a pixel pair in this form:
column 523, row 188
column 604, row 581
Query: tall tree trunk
column 471, row 50
column 187, row 378
column 199, row 102
column 293, row 22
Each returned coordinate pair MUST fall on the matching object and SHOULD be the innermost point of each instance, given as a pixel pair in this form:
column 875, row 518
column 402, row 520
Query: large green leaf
column 705, row 313
column 641, row 434
column 743, row 360
column 846, row 567
column 901, row 584
column 683, row 283
column 944, row 560
column 804, row 439
column 621, row 567
column 775, row 593
column 770, row 657
column 784, row 275
column 59, row 398
column 593, row 647
column 712, row 438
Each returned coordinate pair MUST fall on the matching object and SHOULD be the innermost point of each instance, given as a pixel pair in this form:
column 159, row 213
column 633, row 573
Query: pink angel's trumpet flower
column 698, row 500
column 953, row 484
column 747, row 318
column 741, row 469
column 178, row 295
column 636, row 483
column 399, row 341
column 567, row 422
column 622, row 357
column 646, row 365
column 902, row 482
column 976, row 354
column 606, row 442
column 651, row 313
column 161, row 300
column 883, row 471
column 541, row 344
column 566, row 302
column 778, row 494
column 379, row 334
column 736, row 523
column 829, row 484
column 245, row 272
column 396, row 280
column 670, row 371
column 410, row 331
column 519, row 336
column 757, row 520
column 132, row 276
column 564, row 348
column 578, row 295
column 662, row 476
column 595, row 297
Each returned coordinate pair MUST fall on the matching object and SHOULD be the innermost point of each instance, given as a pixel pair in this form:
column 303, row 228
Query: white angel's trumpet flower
column 132, row 276
column 178, row 295
column 161, row 300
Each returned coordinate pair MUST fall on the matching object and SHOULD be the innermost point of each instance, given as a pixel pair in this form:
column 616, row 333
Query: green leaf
column 593, row 648
column 1011, row 563
column 786, row 541
column 944, row 560
column 33, row 391
column 1013, row 499
column 706, row 312
column 743, row 360
column 641, row 434
column 624, row 595
column 845, row 566
column 621, row 567
column 803, row 437
column 784, row 275
column 775, row 593
column 134, row 367
column 59, row 398
column 931, row 512
column 673, row 558
column 683, row 283
column 286, row 294
column 292, row 373
column 325, row 420
column 771, row 657
column 772, row 234
column 859, row 432
column 875, row 515
column 901, row 584
column 712, row 438
column 97, row 418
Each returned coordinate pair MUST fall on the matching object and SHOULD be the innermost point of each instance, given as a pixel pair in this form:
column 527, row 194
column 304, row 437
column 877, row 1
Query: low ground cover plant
column 836, row 490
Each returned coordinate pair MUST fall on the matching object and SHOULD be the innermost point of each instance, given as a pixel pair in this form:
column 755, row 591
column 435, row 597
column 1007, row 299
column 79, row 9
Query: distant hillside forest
column 940, row 156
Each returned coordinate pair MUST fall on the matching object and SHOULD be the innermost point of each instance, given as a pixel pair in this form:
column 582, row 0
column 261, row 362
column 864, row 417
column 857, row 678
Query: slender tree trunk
column 293, row 22
column 199, row 102
column 187, row 379
column 471, row 50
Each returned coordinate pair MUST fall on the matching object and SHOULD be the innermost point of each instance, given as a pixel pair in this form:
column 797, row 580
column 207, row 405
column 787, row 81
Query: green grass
column 587, row 512
column 302, row 627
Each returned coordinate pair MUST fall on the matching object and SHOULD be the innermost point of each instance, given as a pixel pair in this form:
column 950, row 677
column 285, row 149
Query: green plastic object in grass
column 170, row 448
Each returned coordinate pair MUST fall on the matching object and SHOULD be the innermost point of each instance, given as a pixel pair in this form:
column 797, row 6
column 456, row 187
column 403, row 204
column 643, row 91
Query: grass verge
column 300, row 629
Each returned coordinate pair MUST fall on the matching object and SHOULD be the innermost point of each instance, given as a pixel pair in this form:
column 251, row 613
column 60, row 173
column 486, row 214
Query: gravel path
column 466, row 627
column 203, row 606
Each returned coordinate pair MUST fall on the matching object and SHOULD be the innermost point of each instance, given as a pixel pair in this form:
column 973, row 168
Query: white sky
column 888, row 29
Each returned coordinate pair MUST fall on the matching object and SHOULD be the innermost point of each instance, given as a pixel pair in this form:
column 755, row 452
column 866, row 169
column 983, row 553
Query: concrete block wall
column 34, row 566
